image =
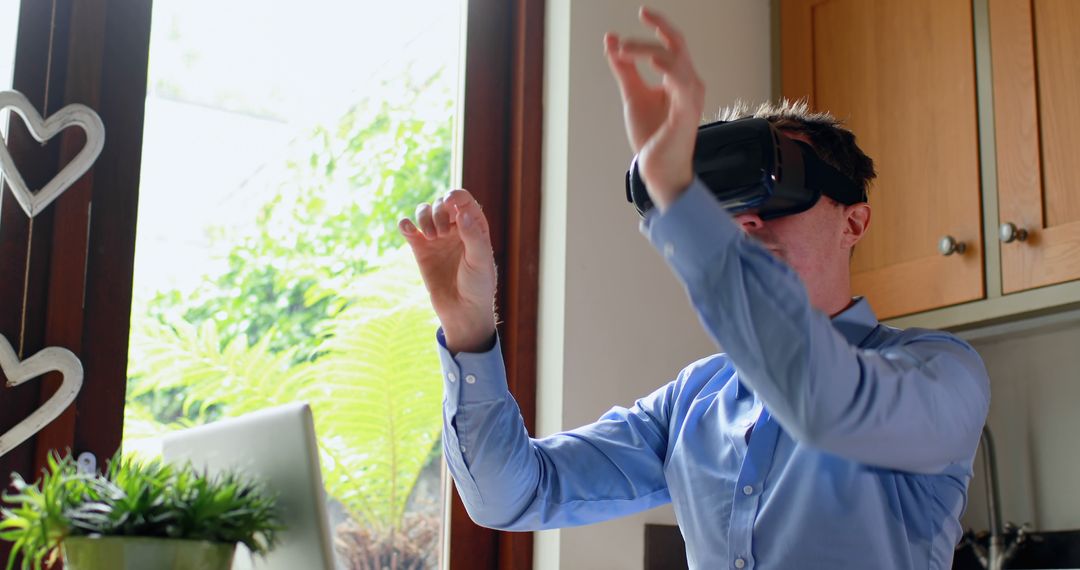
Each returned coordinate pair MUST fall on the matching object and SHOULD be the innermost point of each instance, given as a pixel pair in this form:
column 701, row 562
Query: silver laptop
column 276, row 446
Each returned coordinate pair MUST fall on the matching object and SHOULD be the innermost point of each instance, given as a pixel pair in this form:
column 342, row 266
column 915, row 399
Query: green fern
column 179, row 356
column 375, row 389
column 378, row 393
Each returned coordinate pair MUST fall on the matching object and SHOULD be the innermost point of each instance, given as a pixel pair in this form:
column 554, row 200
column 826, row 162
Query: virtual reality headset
column 751, row 166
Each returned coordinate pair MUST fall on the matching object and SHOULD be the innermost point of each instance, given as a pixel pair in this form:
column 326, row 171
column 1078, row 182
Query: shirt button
column 470, row 379
column 669, row 250
column 463, row 449
column 451, row 377
column 748, row 490
column 740, row 563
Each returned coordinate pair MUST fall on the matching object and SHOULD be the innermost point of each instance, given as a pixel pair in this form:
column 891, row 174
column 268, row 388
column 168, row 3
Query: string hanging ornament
column 54, row 358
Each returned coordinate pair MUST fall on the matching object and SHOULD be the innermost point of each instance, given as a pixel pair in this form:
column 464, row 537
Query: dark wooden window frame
column 66, row 276
column 502, row 139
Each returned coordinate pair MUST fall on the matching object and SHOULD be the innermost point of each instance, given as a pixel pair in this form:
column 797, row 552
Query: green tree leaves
column 319, row 302
column 375, row 390
column 333, row 213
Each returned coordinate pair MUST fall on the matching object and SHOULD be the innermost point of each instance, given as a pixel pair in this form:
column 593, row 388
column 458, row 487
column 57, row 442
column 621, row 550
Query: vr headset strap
column 829, row 181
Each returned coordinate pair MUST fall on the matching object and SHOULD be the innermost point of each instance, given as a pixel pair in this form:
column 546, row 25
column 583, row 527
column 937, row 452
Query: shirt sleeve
column 918, row 406
column 509, row 481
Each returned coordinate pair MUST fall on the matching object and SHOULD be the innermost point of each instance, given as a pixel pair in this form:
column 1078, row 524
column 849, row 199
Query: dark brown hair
column 833, row 143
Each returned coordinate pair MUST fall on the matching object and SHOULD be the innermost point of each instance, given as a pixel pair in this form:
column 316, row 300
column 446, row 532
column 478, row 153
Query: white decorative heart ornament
column 49, row 359
column 42, row 130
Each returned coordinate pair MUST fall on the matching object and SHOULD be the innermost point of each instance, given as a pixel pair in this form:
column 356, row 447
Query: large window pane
column 282, row 142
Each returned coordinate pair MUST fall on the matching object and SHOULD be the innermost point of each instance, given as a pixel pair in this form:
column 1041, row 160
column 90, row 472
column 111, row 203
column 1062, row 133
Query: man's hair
column 832, row 142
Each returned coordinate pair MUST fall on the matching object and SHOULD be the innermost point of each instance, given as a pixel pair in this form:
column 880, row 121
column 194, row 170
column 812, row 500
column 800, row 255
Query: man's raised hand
column 451, row 241
column 661, row 120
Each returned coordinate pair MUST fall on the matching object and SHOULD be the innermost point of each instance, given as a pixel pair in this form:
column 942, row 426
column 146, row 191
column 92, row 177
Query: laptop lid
column 276, row 446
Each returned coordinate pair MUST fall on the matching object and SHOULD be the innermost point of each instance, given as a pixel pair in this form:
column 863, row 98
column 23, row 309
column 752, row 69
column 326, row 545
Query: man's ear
column 856, row 222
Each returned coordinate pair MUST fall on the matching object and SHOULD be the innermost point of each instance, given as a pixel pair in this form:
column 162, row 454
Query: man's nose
column 749, row 223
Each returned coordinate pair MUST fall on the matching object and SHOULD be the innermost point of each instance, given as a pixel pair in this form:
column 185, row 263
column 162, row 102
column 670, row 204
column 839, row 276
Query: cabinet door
column 901, row 74
column 1036, row 64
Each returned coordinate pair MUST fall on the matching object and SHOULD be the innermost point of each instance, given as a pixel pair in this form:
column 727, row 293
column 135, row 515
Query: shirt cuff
column 471, row 377
column 692, row 231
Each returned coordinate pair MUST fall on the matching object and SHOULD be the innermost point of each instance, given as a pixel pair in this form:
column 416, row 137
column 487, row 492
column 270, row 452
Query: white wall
column 614, row 323
column 1035, row 418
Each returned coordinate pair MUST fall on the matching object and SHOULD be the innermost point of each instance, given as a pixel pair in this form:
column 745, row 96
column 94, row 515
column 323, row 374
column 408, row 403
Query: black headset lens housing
column 750, row 165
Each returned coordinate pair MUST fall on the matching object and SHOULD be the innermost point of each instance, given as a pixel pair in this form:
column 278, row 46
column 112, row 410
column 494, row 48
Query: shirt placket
column 748, row 491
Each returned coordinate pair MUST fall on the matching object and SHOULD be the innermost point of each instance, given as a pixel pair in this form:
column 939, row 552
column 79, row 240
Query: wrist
column 665, row 192
column 469, row 339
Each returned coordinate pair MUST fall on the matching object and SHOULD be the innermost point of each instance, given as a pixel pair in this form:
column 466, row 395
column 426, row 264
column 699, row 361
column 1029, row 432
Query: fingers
column 670, row 64
column 459, row 198
column 457, row 208
column 441, row 216
column 408, row 228
column 623, row 66
column 425, row 222
column 660, row 55
column 671, row 37
column 472, row 226
column 668, row 55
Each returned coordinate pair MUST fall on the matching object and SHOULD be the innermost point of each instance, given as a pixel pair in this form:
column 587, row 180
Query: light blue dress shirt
column 812, row 443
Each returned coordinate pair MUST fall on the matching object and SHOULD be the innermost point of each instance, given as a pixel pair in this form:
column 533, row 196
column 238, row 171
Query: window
column 75, row 260
column 277, row 159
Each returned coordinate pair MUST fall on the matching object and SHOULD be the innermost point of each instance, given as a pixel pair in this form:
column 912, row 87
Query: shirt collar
column 855, row 322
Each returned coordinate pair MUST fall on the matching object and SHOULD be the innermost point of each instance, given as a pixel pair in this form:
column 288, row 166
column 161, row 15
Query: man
column 821, row 439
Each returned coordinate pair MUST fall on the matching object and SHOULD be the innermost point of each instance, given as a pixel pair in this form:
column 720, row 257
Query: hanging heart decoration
column 42, row 130
column 18, row 372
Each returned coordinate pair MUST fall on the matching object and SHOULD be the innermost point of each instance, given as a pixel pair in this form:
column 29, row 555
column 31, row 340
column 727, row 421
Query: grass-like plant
column 133, row 498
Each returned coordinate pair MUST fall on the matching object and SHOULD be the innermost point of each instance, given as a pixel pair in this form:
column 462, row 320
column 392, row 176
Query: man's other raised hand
column 661, row 120
column 451, row 241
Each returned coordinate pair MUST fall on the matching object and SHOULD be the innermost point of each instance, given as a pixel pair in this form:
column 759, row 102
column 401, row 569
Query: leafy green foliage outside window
column 375, row 390
column 334, row 214
column 321, row 302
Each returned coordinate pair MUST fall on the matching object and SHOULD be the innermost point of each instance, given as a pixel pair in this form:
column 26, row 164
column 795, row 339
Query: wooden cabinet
column 969, row 109
column 901, row 74
column 1036, row 79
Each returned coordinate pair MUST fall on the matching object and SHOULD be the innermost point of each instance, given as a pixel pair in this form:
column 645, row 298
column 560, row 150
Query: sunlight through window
column 282, row 142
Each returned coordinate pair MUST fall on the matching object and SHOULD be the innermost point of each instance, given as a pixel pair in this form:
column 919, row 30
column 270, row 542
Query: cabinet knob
column 1008, row 232
column 948, row 246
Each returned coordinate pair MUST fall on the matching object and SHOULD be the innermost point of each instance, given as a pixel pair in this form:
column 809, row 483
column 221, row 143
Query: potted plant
column 138, row 514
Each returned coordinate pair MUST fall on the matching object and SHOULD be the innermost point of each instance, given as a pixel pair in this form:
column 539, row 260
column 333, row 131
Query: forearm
column 822, row 389
column 753, row 305
column 487, row 450
column 510, row 481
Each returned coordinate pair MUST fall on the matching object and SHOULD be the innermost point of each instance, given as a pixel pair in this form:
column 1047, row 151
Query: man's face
column 816, row 243
column 808, row 241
